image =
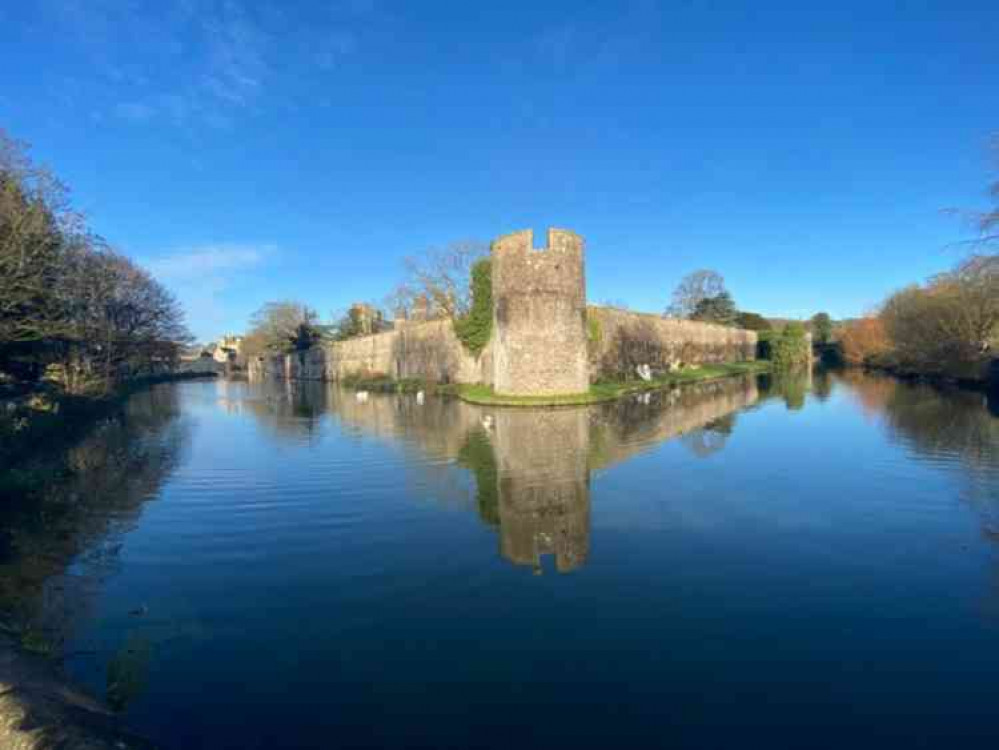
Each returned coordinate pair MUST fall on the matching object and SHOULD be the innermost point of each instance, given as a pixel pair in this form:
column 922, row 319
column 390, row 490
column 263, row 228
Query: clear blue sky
column 249, row 151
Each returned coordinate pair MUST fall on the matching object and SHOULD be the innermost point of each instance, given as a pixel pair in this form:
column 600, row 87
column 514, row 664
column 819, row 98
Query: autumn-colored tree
column 949, row 325
column 863, row 340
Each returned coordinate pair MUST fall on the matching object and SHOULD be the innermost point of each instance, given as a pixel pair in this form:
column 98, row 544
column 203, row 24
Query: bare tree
column 35, row 221
column 442, row 277
column 988, row 221
column 985, row 223
column 281, row 327
column 117, row 321
column 68, row 299
column 693, row 289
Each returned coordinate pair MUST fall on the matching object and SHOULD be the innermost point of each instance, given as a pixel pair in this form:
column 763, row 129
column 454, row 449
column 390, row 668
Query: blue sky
column 248, row 151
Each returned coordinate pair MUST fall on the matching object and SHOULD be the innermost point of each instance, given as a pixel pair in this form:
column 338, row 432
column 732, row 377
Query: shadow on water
column 60, row 541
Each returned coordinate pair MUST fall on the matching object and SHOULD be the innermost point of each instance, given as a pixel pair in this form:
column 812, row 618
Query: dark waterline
column 809, row 562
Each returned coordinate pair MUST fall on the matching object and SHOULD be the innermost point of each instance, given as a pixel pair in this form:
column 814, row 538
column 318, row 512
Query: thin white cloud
column 191, row 63
column 206, row 280
column 207, row 261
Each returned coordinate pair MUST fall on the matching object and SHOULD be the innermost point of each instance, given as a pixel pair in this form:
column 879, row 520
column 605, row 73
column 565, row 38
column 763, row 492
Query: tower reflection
column 531, row 467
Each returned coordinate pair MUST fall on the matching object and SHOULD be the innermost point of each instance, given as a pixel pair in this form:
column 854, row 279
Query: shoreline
column 599, row 393
column 602, row 393
column 936, row 379
column 40, row 709
column 61, row 419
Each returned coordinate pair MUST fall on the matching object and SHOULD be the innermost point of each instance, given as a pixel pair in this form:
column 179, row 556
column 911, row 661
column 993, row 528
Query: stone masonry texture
column 539, row 315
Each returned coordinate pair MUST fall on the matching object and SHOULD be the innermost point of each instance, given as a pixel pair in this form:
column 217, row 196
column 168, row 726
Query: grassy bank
column 385, row 384
column 603, row 392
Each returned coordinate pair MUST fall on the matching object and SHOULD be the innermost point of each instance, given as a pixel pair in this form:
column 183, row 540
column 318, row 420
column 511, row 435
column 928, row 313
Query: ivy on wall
column 593, row 330
column 475, row 329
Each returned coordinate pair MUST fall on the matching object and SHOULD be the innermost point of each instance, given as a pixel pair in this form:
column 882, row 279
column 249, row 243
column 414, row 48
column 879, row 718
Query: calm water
column 807, row 563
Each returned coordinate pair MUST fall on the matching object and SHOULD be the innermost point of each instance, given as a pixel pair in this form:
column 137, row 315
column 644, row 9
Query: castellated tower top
column 519, row 268
column 559, row 240
column 539, row 299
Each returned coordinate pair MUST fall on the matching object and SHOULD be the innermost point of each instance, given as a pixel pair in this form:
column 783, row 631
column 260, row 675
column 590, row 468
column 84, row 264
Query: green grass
column 379, row 383
column 484, row 394
column 610, row 391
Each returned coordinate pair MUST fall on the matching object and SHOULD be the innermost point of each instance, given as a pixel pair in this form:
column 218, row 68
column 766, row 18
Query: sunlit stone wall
column 620, row 341
column 430, row 351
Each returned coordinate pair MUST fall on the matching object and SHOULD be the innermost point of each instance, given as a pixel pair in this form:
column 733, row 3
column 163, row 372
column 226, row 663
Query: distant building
column 227, row 349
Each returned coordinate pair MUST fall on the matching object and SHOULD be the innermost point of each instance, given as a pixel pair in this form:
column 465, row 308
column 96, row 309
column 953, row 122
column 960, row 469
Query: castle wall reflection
column 531, row 467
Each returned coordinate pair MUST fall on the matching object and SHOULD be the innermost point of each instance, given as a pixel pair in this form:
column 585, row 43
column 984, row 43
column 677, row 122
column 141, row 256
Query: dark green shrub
column 790, row 347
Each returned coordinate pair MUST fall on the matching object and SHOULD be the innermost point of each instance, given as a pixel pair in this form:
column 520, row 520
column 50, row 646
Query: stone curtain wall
column 430, row 351
column 620, row 341
column 539, row 315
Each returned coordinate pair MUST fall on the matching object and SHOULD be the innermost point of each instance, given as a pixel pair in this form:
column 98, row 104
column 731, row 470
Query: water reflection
column 293, row 543
column 60, row 543
column 954, row 430
column 531, row 468
column 543, row 486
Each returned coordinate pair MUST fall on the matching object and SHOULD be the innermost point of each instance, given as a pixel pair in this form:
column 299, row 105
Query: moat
column 808, row 561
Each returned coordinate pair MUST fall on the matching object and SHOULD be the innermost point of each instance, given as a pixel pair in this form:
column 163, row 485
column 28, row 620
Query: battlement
column 560, row 242
column 521, row 269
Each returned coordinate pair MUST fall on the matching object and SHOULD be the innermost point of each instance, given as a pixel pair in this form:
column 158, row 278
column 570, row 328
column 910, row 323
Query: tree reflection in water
column 952, row 429
column 94, row 493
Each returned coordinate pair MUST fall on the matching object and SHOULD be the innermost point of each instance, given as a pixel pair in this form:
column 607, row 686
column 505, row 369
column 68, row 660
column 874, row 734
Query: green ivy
column 475, row 329
column 593, row 332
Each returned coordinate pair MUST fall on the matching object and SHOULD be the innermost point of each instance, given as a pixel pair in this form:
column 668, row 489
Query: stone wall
column 539, row 315
column 430, row 351
column 620, row 341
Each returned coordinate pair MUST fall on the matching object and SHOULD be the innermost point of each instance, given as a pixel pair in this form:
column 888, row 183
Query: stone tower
column 539, row 315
